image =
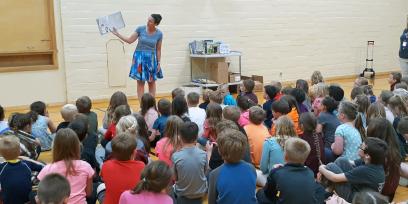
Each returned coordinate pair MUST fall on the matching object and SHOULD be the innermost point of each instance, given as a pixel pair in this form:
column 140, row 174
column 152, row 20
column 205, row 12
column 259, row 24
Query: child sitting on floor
column 68, row 111
column 223, row 180
column 247, row 88
column 159, row 125
column 394, row 78
column 206, row 99
column 148, row 110
column 283, row 182
column 155, row 179
column 196, row 114
column 15, row 173
column 190, row 164
column 123, row 152
column 41, row 125
column 257, row 133
column 54, row 188
column 355, row 176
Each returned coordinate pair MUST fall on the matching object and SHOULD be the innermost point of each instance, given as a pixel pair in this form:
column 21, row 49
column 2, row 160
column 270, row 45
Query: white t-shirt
column 197, row 115
column 3, row 126
column 389, row 115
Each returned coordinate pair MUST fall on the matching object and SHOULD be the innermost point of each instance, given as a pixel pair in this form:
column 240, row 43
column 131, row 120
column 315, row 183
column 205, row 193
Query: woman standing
column 146, row 59
column 403, row 52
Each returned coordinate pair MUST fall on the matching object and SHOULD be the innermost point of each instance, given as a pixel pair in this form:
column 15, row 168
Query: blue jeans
column 329, row 156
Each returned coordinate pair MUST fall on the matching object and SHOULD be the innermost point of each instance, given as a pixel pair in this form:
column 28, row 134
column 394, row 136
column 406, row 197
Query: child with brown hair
column 317, row 93
column 155, row 178
column 214, row 115
column 257, row 133
column 206, row 99
column 394, row 78
column 170, row 143
column 360, row 81
column 66, row 161
column 347, row 137
column 159, row 125
column 190, row 164
column 123, row 152
column 308, row 123
column 41, row 124
column 196, row 114
column 148, row 110
column 84, row 105
column 53, row 189
column 283, row 182
column 119, row 112
column 15, row 173
column 364, row 173
column 244, row 103
column 272, row 149
column 247, row 88
column 118, row 98
column 316, row 78
column 223, row 180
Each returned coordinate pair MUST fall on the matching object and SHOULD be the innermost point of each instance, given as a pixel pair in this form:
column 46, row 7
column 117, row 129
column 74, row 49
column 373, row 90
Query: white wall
column 23, row 88
column 294, row 37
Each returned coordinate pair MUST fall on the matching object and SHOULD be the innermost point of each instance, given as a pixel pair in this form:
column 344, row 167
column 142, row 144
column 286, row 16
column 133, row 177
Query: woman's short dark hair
column 157, row 18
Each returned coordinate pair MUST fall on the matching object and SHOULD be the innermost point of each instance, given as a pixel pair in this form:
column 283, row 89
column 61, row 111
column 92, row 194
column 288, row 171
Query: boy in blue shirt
column 235, row 180
column 159, row 124
column 15, row 174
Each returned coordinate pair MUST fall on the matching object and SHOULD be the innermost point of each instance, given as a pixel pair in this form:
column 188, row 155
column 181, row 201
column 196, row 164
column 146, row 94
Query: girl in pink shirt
column 154, row 180
column 244, row 103
column 66, row 161
column 170, row 142
column 149, row 110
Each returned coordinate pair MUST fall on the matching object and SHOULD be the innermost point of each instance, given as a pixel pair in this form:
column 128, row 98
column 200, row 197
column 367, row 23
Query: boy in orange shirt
column 279, row 108
column 257, row 133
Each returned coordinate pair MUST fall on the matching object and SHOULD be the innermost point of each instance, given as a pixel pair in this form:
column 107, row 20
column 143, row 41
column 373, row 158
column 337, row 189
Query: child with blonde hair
column 15, row 173
column 170, row 143
column 68, row 111
column 272, row 151
column 317, row 93
column 316, row 78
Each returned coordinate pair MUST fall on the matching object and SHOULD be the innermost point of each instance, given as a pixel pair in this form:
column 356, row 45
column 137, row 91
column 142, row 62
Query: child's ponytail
column 155, row 177
column 358, row 124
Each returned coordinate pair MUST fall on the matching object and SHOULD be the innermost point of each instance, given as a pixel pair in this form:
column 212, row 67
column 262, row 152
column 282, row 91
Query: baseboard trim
column 166, row 95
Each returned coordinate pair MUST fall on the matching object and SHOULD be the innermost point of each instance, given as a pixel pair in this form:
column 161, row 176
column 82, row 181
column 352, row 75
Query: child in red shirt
column 120, row 111
column 123, row 172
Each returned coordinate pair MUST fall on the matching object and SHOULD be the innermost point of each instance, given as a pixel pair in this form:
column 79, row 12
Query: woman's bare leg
column 152, row 88
column 140, row 89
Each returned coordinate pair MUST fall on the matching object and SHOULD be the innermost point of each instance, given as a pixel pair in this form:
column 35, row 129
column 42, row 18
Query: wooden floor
column 347, row 84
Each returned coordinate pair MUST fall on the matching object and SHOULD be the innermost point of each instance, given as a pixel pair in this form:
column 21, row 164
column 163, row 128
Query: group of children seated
column 302, row 145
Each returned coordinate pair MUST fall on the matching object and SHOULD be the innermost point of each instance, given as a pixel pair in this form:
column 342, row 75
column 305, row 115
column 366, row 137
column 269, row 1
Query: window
column 27, row 37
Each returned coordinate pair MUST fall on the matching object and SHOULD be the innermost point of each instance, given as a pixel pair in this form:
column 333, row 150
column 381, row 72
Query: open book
column 107, row 23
